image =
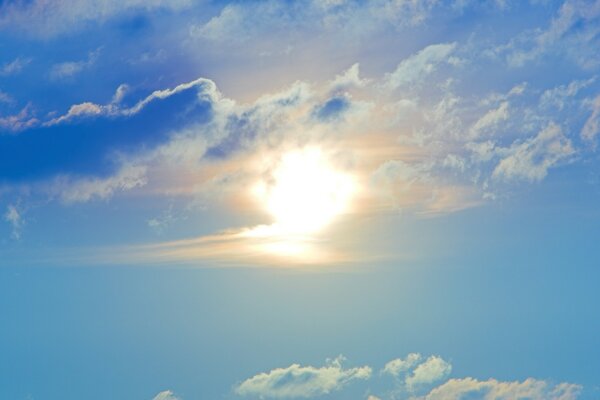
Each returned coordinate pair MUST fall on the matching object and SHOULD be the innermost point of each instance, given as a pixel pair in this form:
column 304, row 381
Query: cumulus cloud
column 348, row 79
column 401, row 365
column 531, row 159
column 532, row 389
column 418, row 66
column 166, row 395
column 431, row 370
column 302, row 381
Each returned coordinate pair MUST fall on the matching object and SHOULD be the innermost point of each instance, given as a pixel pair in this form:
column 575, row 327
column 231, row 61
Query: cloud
column 591, row 129
column 302, row 381
column 85, row 189
column 45, row 19
column 399, row 365
column 71, row 68
column 456, row 389
column 348, row 79
column 166, row 395
column 558, row 96
column 17, row 122
column 15, row 218
column 531, row 159
column 572, row 32
column 418, row 66
column 206, row 90
column 14, row 67
column 5, row 97
column 431, row 370
column 491, row 120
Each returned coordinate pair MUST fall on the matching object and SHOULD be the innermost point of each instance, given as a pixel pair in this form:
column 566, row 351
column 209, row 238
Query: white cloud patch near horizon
column 492, row 389
column 302, row 381
column 166, row 395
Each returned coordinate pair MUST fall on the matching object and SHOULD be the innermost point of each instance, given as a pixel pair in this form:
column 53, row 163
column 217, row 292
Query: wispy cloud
column 418, row 66
column 42, row 19
column 14, row 67
column 14, row 217
column 69, row 69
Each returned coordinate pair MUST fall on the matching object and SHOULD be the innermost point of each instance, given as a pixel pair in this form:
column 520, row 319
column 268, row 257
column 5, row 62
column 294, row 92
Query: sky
column 334, row 199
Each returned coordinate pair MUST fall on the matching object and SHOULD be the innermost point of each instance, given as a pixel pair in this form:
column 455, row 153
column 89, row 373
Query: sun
column 304, row 193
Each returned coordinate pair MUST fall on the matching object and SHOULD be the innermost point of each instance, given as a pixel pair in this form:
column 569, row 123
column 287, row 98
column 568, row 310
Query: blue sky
column 383, row 200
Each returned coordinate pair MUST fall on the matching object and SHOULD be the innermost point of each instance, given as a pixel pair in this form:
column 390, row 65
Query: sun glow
column 305, row 193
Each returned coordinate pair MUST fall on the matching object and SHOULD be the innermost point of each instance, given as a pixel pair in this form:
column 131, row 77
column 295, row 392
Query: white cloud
column 22, row 120
column 531, row 159
column 71, row 68
column 240, row 22
column 431, row 370
column 86, row 189
column 491, row 120
column 5, row 97
column 347, row 80
column 573, row 31
column 591, row 129
column 166, row 395
column 302, row 381
column 418, row 66
column 44, row 19
column 14, row 67
column 206, row 90
column 15, row 218
column 532, row 389
column 399, row 365
column 558, row 96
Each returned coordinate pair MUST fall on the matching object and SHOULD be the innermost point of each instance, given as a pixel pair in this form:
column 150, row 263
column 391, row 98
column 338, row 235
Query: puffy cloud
column 591, row 129
column 166, row 395
column 401, row 365
column 531, row 159
column 418, row 66
column 456, row 389
column 431, row 370
column 302, row 381
column 348, row 79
